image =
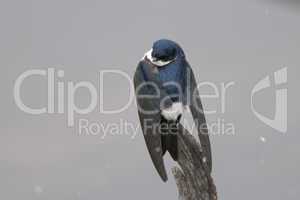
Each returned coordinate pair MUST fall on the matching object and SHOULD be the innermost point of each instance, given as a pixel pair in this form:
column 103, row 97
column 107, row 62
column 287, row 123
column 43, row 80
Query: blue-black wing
column 148, row 95
column 198, row 115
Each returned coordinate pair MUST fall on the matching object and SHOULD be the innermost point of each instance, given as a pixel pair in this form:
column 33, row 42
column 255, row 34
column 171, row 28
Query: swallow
column 165, row 87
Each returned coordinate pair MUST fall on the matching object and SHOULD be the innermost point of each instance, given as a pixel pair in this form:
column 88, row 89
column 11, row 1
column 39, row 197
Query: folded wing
column 148, row 101
column 199, row 117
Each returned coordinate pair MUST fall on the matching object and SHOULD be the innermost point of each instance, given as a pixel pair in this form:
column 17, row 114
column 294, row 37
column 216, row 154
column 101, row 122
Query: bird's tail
column 169, row 139
column 170, row 144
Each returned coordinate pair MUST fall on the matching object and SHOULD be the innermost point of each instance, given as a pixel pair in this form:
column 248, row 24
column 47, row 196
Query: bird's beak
column 154, row 59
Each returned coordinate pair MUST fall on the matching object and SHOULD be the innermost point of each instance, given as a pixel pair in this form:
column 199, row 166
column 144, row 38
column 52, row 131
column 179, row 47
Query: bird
column 165, row 87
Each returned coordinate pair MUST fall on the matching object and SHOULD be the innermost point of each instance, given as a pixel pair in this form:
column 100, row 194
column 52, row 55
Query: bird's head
column 164, row 52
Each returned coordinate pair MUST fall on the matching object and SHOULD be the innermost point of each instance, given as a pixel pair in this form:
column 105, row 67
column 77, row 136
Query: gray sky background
column 233, row 40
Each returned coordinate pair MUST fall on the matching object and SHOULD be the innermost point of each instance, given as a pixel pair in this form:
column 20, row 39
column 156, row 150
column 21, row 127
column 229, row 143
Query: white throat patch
column 158, row 63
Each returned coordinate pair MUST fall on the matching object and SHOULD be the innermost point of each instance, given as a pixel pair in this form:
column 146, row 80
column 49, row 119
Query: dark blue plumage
column 166, row 67
column 172, row 75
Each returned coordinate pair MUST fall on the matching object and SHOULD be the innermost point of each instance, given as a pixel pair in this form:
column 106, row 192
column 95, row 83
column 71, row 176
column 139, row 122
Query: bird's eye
column 155, row 56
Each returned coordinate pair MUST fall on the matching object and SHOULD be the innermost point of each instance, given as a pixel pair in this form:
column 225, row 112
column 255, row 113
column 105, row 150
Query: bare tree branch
column 193, row 180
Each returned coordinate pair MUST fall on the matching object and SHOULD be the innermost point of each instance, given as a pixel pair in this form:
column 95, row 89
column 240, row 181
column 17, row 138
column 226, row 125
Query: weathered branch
column 193, row 180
